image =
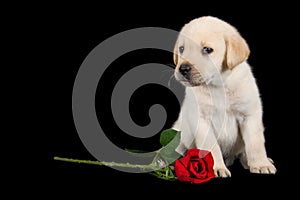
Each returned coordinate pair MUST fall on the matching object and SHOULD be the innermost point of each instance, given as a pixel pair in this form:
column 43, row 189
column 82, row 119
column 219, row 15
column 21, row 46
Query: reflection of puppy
column 210, row 57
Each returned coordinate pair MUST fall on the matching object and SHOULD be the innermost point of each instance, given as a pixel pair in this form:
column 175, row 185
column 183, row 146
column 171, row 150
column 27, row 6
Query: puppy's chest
column 220, row 104
column 224, row 115
column 226, row 128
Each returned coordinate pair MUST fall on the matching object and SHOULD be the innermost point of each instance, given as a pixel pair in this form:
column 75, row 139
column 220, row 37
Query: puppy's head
column 206, row 47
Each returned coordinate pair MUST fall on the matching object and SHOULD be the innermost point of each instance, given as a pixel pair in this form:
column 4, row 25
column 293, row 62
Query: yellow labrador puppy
column 222, row 110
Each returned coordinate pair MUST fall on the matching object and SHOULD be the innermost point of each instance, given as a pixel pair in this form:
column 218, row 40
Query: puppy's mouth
column 191, row 79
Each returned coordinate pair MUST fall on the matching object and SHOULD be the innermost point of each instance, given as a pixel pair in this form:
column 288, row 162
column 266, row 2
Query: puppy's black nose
column 184, row 69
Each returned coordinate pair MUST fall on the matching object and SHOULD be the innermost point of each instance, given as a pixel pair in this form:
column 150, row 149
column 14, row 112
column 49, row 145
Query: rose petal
column 198, row 170
column 196, row 167
column 185, row 160
column 193, row 152
column 203, row 153
column 180, row 169
column 208, row 159
column 193, row 169
column 209, row 162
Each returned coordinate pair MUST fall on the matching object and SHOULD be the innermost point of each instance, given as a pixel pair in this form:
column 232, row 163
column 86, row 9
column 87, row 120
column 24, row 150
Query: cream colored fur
column 222, row 110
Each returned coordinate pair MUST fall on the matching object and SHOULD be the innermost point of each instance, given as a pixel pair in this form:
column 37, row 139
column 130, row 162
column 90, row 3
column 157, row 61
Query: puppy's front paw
column 222, row 172
column 265, row 167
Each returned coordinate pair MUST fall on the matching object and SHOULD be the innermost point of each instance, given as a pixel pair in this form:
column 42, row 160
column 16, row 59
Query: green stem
column 110, row 164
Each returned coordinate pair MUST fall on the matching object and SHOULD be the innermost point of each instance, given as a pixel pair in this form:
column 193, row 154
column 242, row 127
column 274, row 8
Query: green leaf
column 167, row 136
column 168, row 153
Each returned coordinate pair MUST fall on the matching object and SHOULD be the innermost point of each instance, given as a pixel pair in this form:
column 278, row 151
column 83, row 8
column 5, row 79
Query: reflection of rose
column 195, row 167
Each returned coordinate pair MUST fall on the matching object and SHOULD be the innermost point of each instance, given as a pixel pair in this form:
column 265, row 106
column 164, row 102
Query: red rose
column 195, row 167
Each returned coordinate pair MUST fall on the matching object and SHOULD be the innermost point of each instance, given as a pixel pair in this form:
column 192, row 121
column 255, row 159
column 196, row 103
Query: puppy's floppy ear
column 237, row 50
column 175, row 53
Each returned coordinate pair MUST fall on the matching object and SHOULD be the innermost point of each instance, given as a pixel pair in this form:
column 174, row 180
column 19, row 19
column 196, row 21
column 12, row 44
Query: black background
column 65, row 35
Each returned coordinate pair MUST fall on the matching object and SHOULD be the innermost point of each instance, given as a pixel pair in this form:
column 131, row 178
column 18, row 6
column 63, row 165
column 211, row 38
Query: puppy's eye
column 207, row 50
column 181, row 49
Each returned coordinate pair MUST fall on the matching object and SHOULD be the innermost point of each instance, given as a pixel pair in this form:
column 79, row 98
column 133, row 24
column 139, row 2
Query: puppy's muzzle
column 185, row 70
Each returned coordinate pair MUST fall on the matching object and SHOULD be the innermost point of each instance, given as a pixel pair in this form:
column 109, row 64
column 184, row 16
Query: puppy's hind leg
column 252, row 133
